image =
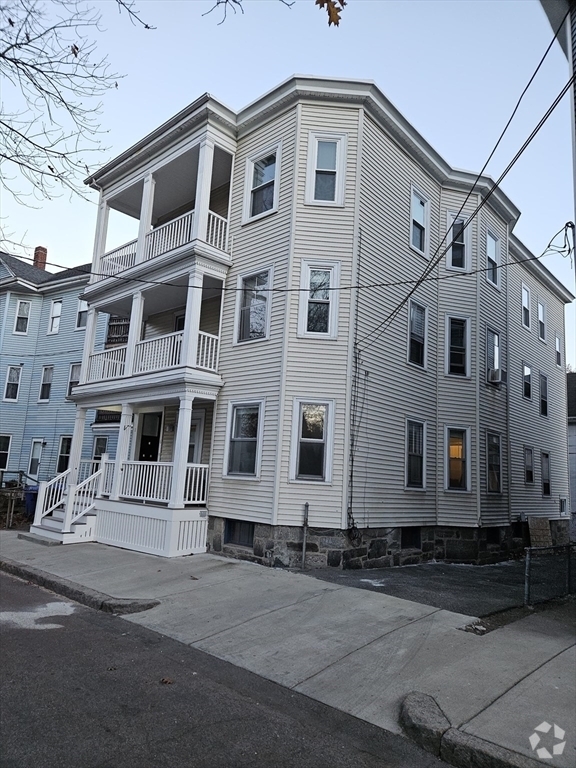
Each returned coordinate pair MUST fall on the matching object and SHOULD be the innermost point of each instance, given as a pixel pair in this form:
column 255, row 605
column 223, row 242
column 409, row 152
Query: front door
column 150, row 437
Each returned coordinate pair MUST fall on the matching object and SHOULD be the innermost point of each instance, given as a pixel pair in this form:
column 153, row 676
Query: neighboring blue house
column 42, row 330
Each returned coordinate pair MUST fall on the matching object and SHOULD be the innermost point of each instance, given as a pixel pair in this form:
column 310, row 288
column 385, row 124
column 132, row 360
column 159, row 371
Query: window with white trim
column 492, row 351
column 253, row 309
column 313, row 441
column 5, row 441
column 415, row 454
column 100, row 447
column 55, row 315
column 318, row 315
column 528, row 465
column 527, row 381
column 81, row 314
column 525, row 306
column 46, row 383
column 494, row 463
column 64, row 453
column 457, row 462
column 12, row 382
column 458, row 345
column 545, row 473
column 419, row 222
column 417, row 334
column 558, row 352
column 492, row 259
column 262, row 183
column 244, row 438
column 457, row 237
column 541, row 321
column 326, row 166
column 22, row 317
column 543, row 395
column 74, row 378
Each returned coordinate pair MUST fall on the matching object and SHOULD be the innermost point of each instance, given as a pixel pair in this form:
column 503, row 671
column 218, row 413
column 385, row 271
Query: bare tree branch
column 236, row 5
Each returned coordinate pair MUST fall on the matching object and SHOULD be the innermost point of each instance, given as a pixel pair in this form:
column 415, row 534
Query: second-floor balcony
column 162, row 240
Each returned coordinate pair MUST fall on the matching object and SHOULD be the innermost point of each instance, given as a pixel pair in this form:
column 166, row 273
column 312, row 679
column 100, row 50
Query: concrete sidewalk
column 355, row 650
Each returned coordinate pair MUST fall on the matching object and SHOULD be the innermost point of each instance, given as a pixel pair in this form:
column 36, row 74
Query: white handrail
column 107, row 364
column 51, row 494
column 108, row 470
column 117, row 260
column 217, row 231
column 171, row 235
column 80, row 500
column 158, row 353
column 146, row 480
column 207, row 354
column 196, row 483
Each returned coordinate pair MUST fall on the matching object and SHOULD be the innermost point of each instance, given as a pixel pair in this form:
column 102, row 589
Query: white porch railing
column 80, row 499
column 87, row 467
column 117, row 260
column 159, row 353
column 108, row 479
column 146, row 480
column 217, row 231
column 207, row 354
column 196, row 484
column 169, row 236
column 50, row 495
column 107, row 364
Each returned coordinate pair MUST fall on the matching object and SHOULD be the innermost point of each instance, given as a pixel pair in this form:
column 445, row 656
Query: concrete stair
column 51, row 526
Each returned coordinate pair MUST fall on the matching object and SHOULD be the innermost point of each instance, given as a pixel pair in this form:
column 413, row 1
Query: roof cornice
column 519, row 251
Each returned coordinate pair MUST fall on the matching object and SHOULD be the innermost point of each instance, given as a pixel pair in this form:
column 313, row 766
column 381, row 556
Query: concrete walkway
column 355, row 650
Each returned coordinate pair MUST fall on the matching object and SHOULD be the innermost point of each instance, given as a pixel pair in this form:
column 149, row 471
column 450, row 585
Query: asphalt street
column 85, row 689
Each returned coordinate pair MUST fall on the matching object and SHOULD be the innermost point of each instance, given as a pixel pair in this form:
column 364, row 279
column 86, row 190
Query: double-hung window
column 245, row 437
column 492, row 259
column 493, row 355
column 82, row 314
column 22, row 317
column 457, row 462
column 262, row 183
column 4, row 450
column 313, row 441
column 558, row 352
column 527, row 381
column 326, row 166
column 55, row 314
column 543, row 395
column 545, row 472
column 457, row 236
column 419, row 222
column 318, row 315
column 494, row 463
column 458, row 346
column 64, row 453
column 541, row 321
column 74, row 378
column 415, row 454
column 528, row 465
column 525, row 306
column 417, row 334
column 46, row 383
column 253, row 320
column 12, row 382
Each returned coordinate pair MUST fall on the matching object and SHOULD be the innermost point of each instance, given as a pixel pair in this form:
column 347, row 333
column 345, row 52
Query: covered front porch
column 151, row 496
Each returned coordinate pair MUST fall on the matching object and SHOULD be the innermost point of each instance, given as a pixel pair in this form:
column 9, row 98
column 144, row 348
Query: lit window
column 74, row 379
column 319, row 299
column 458, row 346
column 4, row 450
column 244, row 439
column 55, row 314
column 492, row 259
column 525, row 306
column 415, row 454
column 253, row 321
column 419, row 215
column 541, row 321
column 82, row 314
column 527, row 381
column 543, row 395
column 457, row 459
column 64, row 453
column 545, row 469
column 417, row 341
column 46, row 382
column 22, row 317
column 494, row 472
column 457, row 252
column 12, row 382
column 528, row 465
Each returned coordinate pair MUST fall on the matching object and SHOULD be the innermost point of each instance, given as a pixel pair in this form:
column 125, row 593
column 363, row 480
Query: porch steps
column 51, row 528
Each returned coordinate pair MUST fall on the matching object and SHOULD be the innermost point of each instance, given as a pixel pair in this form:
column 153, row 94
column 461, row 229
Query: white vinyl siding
column 22, row 317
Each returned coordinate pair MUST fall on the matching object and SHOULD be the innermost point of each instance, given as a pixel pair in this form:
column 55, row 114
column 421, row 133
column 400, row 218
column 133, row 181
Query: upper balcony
column 182, row 201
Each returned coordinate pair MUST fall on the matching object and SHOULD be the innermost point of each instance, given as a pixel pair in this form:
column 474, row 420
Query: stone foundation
column 281, row 546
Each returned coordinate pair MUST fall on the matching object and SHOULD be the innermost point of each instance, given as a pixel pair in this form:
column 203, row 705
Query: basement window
column 411, row 538
column 239, row 532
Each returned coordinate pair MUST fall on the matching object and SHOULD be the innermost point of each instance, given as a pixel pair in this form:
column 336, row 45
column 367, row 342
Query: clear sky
column 454, row 68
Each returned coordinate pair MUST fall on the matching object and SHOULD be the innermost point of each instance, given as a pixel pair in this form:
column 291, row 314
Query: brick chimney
column 40, row 254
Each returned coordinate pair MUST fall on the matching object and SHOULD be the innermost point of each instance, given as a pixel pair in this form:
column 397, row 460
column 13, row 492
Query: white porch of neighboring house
column 151, row 497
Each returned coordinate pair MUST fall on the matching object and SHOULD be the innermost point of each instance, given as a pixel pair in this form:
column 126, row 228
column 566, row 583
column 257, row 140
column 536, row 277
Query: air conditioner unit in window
column 494, row 375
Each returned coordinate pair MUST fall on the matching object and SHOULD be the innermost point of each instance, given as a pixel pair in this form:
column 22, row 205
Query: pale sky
column 454, row 68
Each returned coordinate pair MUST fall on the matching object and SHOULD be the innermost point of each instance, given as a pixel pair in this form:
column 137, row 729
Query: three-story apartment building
column 288, row 365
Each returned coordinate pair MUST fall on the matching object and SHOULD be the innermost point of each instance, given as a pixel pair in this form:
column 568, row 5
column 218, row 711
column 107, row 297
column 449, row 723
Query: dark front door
column 150, row 437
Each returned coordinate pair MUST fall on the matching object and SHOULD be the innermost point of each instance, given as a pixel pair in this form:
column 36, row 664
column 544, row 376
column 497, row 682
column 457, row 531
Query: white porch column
column 100, row 239
column 124, row 435
column 89, row 338
column 134, row 331
column 180, row 458
column 76, row 447
column 145, row 217
column 203, row 184
column 192, row 317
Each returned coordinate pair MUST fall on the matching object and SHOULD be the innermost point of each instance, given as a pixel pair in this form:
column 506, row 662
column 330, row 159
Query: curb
column 84, row 595
column 424, row 722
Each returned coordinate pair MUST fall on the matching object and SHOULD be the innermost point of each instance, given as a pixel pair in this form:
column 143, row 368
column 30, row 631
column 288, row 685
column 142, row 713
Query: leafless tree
column 333, row 8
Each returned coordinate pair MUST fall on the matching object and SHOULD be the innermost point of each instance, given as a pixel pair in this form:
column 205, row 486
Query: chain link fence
column 549, row 572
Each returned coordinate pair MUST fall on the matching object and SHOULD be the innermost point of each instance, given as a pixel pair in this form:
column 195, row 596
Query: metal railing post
column 527, row 577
